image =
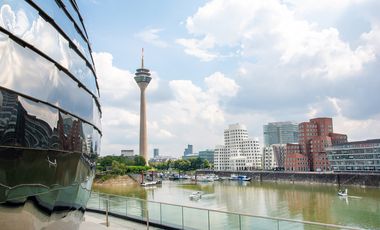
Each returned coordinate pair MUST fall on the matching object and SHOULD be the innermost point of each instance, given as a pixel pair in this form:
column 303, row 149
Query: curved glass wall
column 42, row 35
column 50, row 127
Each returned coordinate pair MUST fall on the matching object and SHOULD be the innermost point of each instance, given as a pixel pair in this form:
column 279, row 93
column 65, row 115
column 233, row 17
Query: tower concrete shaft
column 142, row 78
column 143, row 127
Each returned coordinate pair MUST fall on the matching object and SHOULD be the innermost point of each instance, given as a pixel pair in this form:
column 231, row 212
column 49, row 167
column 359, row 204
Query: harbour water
column 308, row 202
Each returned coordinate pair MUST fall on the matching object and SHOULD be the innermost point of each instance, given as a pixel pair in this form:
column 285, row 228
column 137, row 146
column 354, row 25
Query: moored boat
column 343, row 193
column 239, row 177
column 195, row 195
column 151, row 183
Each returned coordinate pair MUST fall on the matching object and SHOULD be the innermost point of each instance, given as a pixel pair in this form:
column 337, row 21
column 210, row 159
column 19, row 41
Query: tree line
column 121, row 165
column 182, row 165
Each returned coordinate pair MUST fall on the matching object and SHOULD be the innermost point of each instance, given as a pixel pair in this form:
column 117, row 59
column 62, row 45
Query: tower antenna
column 142, row 58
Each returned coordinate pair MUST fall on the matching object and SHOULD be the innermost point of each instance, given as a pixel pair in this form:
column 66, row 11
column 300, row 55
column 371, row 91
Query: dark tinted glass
column 32, row 124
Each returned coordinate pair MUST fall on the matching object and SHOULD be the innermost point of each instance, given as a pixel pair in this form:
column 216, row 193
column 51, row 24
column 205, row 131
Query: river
column 310, row 202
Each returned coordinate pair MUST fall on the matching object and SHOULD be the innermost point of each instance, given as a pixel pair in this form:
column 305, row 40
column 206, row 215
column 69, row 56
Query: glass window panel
column 74, row 15
column 96, row 142
column 41, row 34
column 54, row 11
column 97, row 115
column 154, row 212
column 39, row 122
column 69, row 130
column 195, row 218
column 8, row 117
column 171, row 215
column 221, row 220
column 18, row 63
column 88, row 136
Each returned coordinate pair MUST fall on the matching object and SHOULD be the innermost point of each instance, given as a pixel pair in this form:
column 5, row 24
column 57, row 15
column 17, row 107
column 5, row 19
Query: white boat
column 195, row 195
column 341, row 193
column 239, row 177
column 151, row 183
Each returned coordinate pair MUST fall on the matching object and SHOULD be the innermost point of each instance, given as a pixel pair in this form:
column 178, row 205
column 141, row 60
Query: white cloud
column 199, row 48
column 220, row 85
column 253, row 26
column 172, row 123
column 151, row 36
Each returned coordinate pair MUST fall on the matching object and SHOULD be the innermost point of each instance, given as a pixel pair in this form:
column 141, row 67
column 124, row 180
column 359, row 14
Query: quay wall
column 335, row 178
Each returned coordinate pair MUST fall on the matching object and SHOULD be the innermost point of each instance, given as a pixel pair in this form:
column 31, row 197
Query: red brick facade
column 314, row 137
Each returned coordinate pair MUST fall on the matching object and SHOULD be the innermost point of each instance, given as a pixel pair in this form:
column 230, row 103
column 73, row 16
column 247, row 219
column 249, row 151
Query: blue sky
column 219, row 62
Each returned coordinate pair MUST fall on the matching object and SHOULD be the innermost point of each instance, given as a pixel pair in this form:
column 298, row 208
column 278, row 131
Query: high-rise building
column 314, row 137
column 156, row 153
column 357, row 156
column 142, row 78
column 188, row 150
column 239, row 152
column 49, row 115
column 280, row 133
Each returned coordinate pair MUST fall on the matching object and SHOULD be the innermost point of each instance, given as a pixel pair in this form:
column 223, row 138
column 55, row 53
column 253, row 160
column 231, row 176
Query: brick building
column 310, row 152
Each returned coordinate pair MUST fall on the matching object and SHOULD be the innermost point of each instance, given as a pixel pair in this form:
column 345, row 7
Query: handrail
column 227, row 212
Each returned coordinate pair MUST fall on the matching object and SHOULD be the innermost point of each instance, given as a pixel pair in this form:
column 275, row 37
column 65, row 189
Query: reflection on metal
column 51, row 163
column 49, row 115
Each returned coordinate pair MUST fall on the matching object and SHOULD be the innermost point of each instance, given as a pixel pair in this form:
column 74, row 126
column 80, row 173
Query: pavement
column 95, row 221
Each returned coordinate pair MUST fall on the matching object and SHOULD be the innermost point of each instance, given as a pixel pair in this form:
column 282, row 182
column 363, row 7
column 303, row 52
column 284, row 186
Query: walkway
column 95, row 221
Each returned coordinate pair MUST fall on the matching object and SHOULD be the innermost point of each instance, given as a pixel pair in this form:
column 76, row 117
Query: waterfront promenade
column 173, row 216
column 96, row 221
column 336, row 178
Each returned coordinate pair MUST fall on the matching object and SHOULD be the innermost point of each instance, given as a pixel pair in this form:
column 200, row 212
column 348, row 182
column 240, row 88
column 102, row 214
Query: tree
column 206, row 164
column 182, row 165
column 139, row 160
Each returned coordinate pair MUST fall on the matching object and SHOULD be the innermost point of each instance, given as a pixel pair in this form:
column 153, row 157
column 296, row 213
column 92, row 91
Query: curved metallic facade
column 49, row 115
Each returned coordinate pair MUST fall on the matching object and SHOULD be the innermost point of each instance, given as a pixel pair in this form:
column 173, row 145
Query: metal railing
column 186, row 217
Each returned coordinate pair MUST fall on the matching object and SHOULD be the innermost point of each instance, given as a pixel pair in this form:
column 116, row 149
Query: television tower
column 142, row 78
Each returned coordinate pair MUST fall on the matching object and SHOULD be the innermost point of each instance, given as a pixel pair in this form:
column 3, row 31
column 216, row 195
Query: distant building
column 156, row 153
column 127, row 152
column 358, row 156
column 274, row 156
column 280, row 133
column 162, row 159
column 188, row 150
column 238, row 152
column 190, row 156
column 310, row 154
column 208, row 155
column 295, row 160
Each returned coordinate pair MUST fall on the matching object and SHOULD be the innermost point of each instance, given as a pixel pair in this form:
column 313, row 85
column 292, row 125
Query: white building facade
column 238, row 152
column 273, row 156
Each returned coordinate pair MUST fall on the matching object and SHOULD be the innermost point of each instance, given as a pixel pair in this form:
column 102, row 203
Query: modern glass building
column 358, row 156
column 280, row 133
column 49, row 115
column 208, row 155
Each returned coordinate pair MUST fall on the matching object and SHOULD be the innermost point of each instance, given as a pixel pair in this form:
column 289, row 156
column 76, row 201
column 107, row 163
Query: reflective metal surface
column 49, row 115
column 23, row 21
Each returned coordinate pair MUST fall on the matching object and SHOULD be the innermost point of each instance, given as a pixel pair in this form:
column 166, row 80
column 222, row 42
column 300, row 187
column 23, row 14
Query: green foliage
column 206, row 164
column 139, row 161
column 182, row 165
column 120, row 165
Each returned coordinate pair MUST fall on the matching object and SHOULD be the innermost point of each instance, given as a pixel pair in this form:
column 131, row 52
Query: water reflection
column 313, row 202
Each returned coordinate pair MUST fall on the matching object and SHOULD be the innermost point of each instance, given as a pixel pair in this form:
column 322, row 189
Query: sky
column 221, row 62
